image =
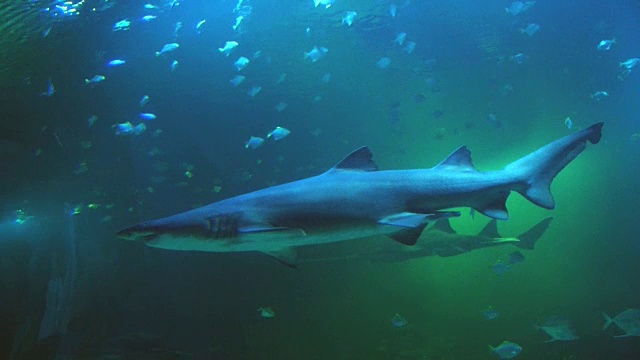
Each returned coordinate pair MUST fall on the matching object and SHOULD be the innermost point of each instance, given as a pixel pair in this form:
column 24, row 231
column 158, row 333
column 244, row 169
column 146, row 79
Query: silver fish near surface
column 316, row 53
column 167, row 48
column 605, row 45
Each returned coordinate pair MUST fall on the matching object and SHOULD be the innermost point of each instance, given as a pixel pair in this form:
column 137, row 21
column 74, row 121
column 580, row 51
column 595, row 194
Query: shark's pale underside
column 354, row 200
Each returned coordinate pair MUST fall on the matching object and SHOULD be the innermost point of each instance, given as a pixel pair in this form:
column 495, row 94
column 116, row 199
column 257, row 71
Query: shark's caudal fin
column 528, row 238
column 534, row 172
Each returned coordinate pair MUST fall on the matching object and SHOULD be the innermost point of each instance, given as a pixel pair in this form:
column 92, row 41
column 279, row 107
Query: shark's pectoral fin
column 495, row 206
column 412, row 224
column 266, row 228
column 287, row 256
column 404, row 219
column 413, row 220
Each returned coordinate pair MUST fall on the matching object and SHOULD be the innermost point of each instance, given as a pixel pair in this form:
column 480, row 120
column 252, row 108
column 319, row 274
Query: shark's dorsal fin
column 460, row 159
column 443, row 225
column 359, row 160
column 408, row 236
column 490, row 230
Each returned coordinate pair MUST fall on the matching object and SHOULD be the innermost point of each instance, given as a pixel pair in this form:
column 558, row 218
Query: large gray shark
column 355, row 200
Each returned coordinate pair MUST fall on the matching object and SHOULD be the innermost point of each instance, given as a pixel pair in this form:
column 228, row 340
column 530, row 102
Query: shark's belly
column 271, row 240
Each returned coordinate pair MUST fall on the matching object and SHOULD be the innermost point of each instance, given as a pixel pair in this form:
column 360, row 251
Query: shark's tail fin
column 608, row 320
column 534, row 172
column 528, row 238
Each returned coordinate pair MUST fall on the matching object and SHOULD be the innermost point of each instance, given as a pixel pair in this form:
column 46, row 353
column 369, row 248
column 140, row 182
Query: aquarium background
column 68, row 185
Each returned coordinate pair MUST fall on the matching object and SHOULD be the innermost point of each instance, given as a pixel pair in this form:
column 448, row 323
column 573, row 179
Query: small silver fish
column 531, row 29
column 278, row 133
column 237, row 80
column 128, row 129
column 519, row 58
column 92, row 120
column 50, row 89
column 122, row 25
column 267, row 312
column 383, row 63
column 144, row 101
column 568, row 122
column 254, row 91
column 326, row 3
column 241, row 63
column 281, row 79
column 147, row 116
column 228, row 46
column 628, row 321
column 116, row 62
column 628, row 64
column 316, row 53
column 506, row 350
column 167, row 48
column 599, row 95
column 409, row 47
column 281, row 106
column 348, row 18
column 559, row 329
column 398, row 321
column 605, row 45
column 254, row 143
column 238, row 21
column 95, row 80
column 199, row 25
column 518, row 7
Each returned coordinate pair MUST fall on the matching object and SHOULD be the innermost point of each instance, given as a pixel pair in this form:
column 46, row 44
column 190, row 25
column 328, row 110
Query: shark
column 354, row 199
column 438, row 240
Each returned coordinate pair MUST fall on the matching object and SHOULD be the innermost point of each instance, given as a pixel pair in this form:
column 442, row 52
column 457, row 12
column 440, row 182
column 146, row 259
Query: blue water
column 462, row 85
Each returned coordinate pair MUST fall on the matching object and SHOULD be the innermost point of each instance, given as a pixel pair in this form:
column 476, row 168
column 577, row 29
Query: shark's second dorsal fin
column 460, row 159
column 490, row 230
column 359, row 160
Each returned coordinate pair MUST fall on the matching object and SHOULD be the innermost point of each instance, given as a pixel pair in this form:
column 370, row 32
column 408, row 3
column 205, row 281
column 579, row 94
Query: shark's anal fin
column 495, row 207
column 287, row 256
